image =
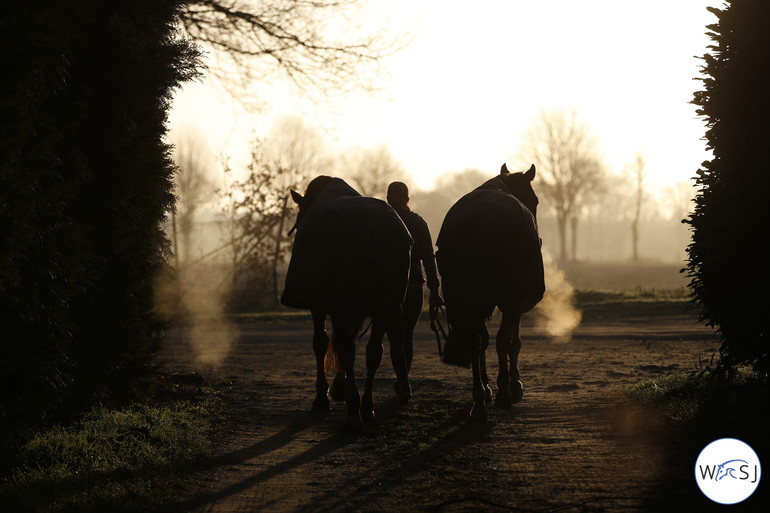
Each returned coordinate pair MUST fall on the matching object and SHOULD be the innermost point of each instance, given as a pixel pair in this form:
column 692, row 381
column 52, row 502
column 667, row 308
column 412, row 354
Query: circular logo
column 727, row 471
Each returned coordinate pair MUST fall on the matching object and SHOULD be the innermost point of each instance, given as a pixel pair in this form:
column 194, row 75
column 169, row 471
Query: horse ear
column 297, row 197
column 504, row 169
column 530, row 174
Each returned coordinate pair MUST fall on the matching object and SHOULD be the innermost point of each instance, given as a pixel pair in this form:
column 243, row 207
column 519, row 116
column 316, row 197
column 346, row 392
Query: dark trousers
column 412, row 310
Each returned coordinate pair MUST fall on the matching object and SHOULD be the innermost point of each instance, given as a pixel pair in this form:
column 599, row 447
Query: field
column 575, row 443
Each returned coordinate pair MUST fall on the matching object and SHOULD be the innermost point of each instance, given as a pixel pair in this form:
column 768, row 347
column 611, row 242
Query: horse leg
column 504, row 398
column 374, row 353
column 344, row 346
column 483, row 363
column 479, row 410
column 320, row 346
column 398, row 359
column 517, row 389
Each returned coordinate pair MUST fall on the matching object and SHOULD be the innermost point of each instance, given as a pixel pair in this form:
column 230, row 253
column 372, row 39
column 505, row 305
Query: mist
column 211, row 334
column 556, row 314
column 194, row 299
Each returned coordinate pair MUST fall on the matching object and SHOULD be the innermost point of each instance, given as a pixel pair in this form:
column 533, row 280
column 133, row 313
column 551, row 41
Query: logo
column 727, row 471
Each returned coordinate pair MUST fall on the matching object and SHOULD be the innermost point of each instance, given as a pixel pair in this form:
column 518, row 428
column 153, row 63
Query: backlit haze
column 476, row 74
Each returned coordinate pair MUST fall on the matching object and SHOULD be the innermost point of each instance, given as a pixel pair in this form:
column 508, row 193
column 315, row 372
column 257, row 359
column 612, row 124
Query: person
column 422, row 257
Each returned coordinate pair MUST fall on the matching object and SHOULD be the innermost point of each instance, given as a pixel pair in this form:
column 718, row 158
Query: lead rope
column 437, row 327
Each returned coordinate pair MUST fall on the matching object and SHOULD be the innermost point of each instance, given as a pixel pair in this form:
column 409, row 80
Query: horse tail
column 456, row 350
column 331, row 362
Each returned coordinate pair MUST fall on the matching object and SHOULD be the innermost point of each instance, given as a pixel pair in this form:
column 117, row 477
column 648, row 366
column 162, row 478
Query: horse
column 489, row 255
column 350, row 260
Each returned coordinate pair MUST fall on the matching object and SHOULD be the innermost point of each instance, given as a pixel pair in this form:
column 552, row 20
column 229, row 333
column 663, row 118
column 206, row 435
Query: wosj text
column 732, row 469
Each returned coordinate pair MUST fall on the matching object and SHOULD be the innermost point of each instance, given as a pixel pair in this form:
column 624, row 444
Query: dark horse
column 350, row 260
column 489, row 256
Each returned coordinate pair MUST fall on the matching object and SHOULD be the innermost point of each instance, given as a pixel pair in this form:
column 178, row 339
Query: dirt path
column 574, row 443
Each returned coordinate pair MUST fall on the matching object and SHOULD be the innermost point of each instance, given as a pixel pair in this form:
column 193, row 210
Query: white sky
column 478, row 72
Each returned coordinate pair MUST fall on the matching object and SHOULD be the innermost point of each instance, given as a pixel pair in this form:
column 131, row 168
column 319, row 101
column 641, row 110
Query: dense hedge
column 728, row 256
column 84, row 184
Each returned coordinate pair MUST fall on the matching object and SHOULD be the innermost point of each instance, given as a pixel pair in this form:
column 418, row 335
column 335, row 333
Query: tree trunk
column 573, row 235
column 278, row 237
column 635, row 240
column 562, row 226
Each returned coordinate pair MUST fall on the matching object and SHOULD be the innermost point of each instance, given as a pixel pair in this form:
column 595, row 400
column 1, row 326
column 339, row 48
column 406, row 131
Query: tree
column 370, row 170
column 193, row 187
column 635, row 170
column 255, row 209
column 731, row 221
column 295, row 152
column 86, row 183
column 570, row 169
column 448, row 188
column 255, row 41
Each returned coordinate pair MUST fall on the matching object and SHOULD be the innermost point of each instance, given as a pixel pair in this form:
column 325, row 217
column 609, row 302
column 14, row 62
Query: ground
column 575, row 442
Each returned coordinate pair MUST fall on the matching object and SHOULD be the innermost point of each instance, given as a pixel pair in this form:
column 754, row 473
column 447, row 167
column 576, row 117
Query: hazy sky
column 477, row 73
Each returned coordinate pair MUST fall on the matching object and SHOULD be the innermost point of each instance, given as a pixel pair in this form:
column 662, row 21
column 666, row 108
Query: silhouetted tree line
column 84, row 185
column 728, row 257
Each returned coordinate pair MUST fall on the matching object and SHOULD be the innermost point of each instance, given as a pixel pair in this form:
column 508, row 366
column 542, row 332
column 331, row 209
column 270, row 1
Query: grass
column 695, row 396
column 131, row 459
column 704, row 406
column 595, row 305
column 640, row 303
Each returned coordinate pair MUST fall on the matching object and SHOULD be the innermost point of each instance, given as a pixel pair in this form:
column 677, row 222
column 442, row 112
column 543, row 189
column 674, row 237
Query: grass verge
column 704, row 406
column 131, row 459
column 640, row 303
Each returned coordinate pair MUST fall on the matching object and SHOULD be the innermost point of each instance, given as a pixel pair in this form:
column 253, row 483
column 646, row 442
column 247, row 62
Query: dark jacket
column 422, row 251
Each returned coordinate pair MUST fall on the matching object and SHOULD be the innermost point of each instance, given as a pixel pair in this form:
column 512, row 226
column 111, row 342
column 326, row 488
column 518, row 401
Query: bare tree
column 433, row 205
column 193, row 186
column 370, row 170
column 570, row 167
column 253, row 209
column 636, row 172
column 678, row 199
column 295, row 152
column 316, row 44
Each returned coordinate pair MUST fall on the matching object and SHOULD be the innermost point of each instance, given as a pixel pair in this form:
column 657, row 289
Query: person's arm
column 428, row 259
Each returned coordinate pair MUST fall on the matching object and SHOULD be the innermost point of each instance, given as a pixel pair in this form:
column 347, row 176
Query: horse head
column 312, row 192
column 520, row 185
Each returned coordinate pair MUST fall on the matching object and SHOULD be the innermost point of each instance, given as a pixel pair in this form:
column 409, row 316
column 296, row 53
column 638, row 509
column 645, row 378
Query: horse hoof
column 403, row 391
column 517, row 391
column 479, row 414
column 338, row 389
column 321, row 405
column 367, row 410
column 367, row 416
column 503, row 399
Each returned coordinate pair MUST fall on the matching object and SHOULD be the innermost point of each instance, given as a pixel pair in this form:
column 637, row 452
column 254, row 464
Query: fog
column 556, row 313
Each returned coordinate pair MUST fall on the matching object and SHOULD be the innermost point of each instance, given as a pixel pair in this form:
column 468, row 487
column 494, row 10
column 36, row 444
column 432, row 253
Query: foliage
column 731, row 221
column 256, row 209
column 705, row 406
column 85, row 183
column 112, row 460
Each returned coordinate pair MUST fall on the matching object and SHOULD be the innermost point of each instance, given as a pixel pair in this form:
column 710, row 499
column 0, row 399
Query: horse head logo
column 728, row 468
